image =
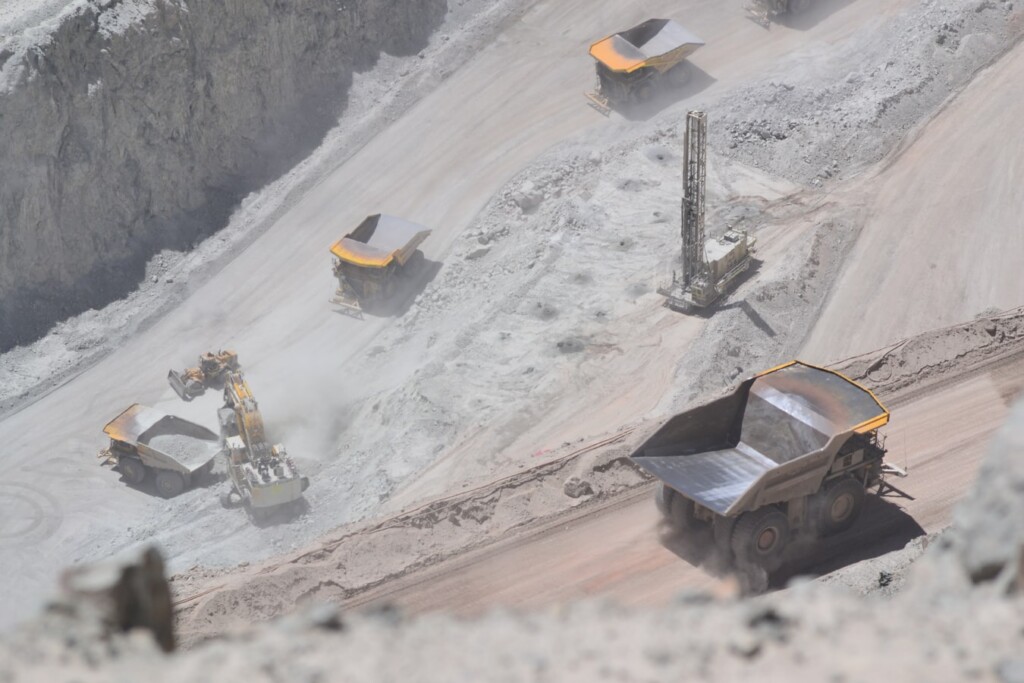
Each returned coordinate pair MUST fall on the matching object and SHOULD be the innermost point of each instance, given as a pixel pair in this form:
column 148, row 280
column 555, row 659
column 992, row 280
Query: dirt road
column 439, row 164
column 622, row 551
column 948, row 203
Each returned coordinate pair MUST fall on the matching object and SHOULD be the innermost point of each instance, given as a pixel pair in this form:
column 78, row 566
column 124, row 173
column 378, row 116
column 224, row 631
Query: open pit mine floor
column 617, row 546
column 70, row 511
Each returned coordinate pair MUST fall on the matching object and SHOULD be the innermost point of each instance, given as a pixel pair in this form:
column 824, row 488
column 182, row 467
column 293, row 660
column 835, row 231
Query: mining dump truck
column 793, row 449
column 633, row 64
column 209, row 372
column 764, row 11
column 370, row 261
column 263, row 477
column 145, row 441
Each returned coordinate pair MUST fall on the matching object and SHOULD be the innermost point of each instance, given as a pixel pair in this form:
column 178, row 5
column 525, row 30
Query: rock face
column 131, row 126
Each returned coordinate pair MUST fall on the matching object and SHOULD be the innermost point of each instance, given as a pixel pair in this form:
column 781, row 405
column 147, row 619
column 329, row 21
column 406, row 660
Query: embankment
column 132, row 126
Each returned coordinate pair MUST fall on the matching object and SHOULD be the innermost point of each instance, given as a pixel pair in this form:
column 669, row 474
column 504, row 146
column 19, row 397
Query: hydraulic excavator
column 263, row 477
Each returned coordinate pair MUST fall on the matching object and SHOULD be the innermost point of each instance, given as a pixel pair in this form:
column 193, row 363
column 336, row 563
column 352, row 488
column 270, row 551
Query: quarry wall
column 132, row 126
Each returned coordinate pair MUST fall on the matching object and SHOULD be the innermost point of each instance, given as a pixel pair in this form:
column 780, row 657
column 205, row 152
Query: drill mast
column 694, row 181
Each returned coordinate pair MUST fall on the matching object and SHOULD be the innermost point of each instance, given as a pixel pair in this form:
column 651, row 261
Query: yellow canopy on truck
column 379, row 240
column 656, row 43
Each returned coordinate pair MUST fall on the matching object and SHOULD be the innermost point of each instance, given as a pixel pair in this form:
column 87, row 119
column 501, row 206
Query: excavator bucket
column 185, row 387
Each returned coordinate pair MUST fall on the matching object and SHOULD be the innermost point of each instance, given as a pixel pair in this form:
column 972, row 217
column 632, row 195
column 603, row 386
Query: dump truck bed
column 164, row 441
column 658, row 43
column 774, row 437
column 379, row 240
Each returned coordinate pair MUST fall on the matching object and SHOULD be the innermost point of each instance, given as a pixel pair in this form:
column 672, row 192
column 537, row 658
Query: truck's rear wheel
column 682, row 513
column 169, row 484
column 680, row 74
column 761, row 536
column 132, row 469
column 663, row 499
column 840, row 505
column 677, row 509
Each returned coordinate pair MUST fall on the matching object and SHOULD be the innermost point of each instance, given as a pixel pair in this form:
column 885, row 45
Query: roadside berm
column 461, row 551
column 959, row 617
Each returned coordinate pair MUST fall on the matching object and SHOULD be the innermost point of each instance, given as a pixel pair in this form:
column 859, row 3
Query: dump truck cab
column 791, row 449
column 369, row 260
column 631, row 62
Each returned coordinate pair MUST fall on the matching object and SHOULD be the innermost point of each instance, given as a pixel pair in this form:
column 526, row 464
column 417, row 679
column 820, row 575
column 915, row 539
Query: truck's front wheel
column 760, row 537
column 132, row 469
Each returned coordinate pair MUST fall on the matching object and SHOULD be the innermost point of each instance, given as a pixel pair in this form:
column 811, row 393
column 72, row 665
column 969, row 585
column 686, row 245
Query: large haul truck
column 145, row 442
column 793, row 449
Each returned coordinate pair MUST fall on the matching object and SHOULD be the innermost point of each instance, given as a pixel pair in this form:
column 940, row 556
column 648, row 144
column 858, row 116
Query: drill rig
column 709, row 266
column 263, row 477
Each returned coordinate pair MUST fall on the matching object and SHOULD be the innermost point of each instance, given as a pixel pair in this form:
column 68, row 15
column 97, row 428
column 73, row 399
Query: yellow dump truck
column 633, row 63
column 147, row 442
column 792, row 449
column 370, row 260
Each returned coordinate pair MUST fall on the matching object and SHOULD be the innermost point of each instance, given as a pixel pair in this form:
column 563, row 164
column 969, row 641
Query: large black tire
column 414, row 266
column 132, row 469
column 169, row 483
column 663, row 495
column 839, row 505
column 760, row 537
column 721, row 529
column 679, row 510
column 682, row 513
column 680, row 74
column 643, row 92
